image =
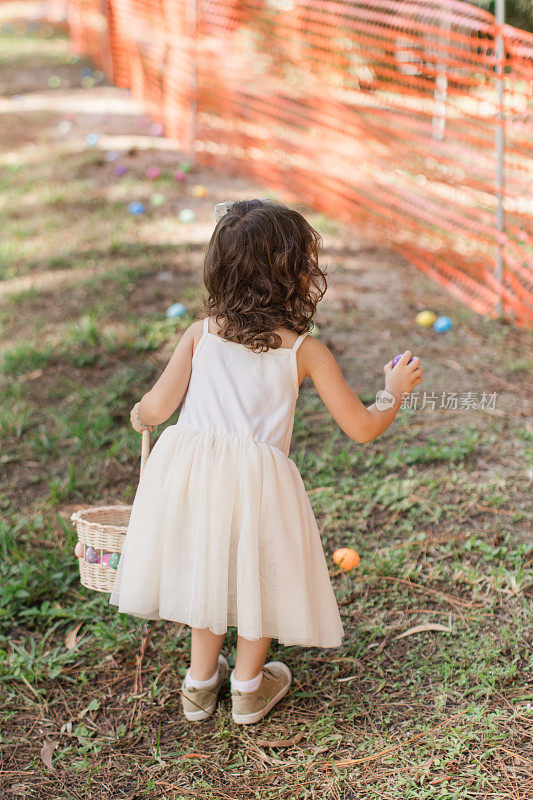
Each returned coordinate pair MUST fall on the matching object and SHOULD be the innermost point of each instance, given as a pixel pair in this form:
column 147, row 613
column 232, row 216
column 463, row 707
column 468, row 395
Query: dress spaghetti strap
column 298, row 341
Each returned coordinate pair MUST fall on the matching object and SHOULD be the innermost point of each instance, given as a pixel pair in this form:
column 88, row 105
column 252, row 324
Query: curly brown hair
column 261, row 273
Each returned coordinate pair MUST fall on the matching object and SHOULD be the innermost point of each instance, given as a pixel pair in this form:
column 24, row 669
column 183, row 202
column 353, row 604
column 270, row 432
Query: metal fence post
column 500, row 55
column 192, row 14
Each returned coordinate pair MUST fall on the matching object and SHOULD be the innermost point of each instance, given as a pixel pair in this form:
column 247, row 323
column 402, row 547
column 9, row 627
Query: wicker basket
column 104, row 529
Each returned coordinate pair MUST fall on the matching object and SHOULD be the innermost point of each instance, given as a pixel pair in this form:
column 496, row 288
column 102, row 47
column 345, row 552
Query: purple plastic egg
column 91, row 556
column 397, row 358
column 120, row 170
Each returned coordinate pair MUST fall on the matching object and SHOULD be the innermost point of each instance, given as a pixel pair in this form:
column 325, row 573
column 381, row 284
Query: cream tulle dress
column 221, row 531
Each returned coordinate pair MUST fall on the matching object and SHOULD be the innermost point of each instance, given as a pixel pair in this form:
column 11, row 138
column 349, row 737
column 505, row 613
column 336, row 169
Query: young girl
column 222, row 532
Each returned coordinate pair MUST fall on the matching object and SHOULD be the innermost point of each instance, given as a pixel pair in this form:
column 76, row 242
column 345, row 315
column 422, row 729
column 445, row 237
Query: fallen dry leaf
column 196, row 755
column 30, row 376
column 47, row 752
column 280, row 742
column 428, row 626
column 70, row 638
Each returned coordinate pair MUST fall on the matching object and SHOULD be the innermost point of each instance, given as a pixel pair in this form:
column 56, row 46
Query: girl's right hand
column 403, row 377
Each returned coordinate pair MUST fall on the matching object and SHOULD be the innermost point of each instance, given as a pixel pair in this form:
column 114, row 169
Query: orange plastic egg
column 346, row 558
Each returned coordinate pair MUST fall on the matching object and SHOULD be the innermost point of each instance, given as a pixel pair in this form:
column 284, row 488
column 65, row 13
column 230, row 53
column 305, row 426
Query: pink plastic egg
column 153, row 173
column 106, row 559
column 79, row 550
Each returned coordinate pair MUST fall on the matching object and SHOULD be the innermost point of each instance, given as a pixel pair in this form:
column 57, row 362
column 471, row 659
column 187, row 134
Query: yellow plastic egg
column 199, row 190
column 346, row 558
column 425, row 318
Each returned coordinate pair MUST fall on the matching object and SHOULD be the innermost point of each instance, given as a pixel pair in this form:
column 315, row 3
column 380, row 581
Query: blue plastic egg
column 176, row 310
column 136, row 208
column 92, row 139
column 442, row 324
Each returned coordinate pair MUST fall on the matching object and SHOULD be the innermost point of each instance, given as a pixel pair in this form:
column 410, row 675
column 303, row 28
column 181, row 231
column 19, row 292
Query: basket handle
column 145, row 448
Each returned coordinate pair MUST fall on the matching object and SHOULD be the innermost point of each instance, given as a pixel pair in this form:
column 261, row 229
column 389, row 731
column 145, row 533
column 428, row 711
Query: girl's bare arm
column 158, row 404
column 360, row 423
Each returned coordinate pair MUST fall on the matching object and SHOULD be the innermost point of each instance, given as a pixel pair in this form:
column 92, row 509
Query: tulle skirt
column 221, row 534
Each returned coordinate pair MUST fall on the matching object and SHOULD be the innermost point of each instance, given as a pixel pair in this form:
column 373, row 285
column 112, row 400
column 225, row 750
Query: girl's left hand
column 134, row 422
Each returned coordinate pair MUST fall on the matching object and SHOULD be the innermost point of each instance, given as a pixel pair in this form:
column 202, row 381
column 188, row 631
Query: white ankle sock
column 192, row 683
column 246, row 686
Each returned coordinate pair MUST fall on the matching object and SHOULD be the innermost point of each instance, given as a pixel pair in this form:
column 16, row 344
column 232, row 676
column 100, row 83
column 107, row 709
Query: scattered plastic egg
column 176, row 310
column 120, row 170
column 157, row 199
column 442, row 324
column 153, row 173
column 157, row 129
column 186, row 215
column 136, row 208
column 199, row 190
column 92, row 139
column 64, row 126
column 112, row 155
column 54, row 81
column 426, row 319
column 179, row 175
column 346, row 558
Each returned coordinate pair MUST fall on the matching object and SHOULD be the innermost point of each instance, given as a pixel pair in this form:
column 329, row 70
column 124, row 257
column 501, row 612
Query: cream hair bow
column 221, row 208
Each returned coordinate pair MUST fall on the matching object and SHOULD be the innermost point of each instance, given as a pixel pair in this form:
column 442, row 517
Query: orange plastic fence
column 382, row 113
